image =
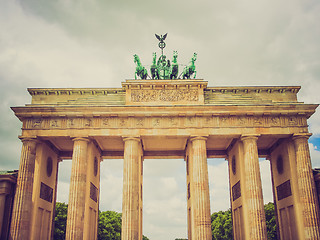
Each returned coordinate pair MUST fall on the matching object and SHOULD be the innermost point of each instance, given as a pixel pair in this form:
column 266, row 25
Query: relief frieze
column 173, row 121
column 164, row 95
column 55, row 123
column 156, row 122
column 87, row 122
column 105, row 122
column 166, row 122
column 36, row 123
column 293, row 121
column 224, row 121
column 140, row 122
column 71, row 123
column 275, row 121
column 208, row 121
column 241, row 121
column 123, row 122
column 190, row 121
column 258, row 121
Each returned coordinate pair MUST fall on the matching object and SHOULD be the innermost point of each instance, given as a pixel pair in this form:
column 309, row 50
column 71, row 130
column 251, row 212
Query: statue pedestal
column 164, row 92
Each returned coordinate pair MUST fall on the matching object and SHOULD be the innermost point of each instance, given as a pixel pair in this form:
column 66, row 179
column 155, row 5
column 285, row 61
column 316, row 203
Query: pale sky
column 69, row 43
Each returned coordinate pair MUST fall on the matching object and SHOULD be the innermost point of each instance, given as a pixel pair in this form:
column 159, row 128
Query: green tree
column 109, row 224
column 60, row 221
column 271, row 221
column 109, row 227
column 221, row 225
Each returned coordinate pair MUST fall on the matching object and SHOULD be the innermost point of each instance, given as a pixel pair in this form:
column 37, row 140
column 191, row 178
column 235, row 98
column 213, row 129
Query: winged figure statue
column 161, row 38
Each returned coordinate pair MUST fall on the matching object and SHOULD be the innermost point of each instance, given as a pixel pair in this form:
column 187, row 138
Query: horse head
column 194, row 58
column 136, row 59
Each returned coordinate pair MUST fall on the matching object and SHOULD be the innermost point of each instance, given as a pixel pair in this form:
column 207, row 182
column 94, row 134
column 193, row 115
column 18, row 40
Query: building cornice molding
column 305, row 110
column 148, row 83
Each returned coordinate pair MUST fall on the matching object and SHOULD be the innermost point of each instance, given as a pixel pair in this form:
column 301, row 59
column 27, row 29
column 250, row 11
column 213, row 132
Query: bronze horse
column 191, row 69
column 141, row 71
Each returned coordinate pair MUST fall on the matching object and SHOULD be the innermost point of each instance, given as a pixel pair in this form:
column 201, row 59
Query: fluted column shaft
column 2, row 205
column 77, row 193
column 22, row 208
column 306, row 186
column 131, row 185
column 253, row 189
column 200, row 190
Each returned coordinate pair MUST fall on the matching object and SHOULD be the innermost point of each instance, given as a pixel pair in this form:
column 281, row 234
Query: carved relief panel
column 152, row 122
column 165, row 92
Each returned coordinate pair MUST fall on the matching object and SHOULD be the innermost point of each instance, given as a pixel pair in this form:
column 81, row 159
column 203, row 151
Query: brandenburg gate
column 183, row 119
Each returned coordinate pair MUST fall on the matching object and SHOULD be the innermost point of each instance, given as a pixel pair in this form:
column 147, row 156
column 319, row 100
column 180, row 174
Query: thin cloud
column 91, row 43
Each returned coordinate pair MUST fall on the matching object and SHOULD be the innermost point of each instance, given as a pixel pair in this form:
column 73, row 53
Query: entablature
column 165, row 92
column 165, row 113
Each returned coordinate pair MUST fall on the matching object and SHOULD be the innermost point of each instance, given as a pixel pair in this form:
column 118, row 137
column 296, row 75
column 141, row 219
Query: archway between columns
column 165, row 199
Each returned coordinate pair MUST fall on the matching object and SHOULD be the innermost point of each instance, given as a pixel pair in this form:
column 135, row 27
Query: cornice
column 70, row 91
column 147, row 84
column 255, row 89
column 193, row 110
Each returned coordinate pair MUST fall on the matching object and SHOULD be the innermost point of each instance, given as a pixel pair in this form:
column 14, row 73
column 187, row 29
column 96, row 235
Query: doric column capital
column 297, row 136
column 30, row 138
column 85, row 139
column 5, row 187
column 245, row 137
column 193, row 138
column 132, row 138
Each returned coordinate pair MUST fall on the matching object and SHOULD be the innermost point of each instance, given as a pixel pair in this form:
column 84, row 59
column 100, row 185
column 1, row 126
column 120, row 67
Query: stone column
column 2, row 207
column 22, row 208
column 131, row 185
column 253, row 188
column 306, row 187
column 199, row 187
column 76, row 206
